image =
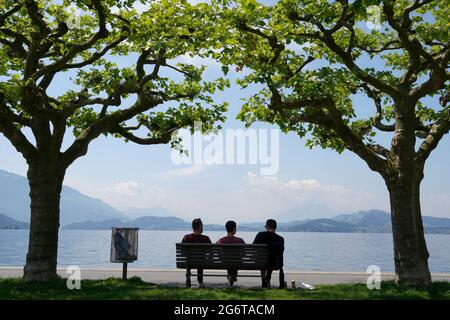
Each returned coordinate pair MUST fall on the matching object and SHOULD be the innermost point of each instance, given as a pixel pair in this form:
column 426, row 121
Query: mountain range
column 10, row 223
column 81, row 212
column 75, row 206
column 375, row 221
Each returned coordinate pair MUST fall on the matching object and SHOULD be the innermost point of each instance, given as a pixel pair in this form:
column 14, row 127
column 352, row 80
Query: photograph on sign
column 124, row 244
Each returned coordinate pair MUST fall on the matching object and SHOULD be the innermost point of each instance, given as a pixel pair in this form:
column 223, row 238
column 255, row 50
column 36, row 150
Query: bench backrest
column 222, row 256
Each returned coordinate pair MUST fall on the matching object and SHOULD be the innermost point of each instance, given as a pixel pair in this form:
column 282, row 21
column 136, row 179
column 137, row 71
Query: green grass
column 135, row 288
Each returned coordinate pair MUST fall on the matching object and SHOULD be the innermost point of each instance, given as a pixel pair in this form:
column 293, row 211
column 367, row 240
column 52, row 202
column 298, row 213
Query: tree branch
column 331, row 120
column 374, row 95
column 326, row 37
column 437, row 78
column 9, row 13
column 105, row 124
column 77, row 48
column 142, row 141
column 37, row 18
column 440, row 128
column 13, row 134
column 46, row 80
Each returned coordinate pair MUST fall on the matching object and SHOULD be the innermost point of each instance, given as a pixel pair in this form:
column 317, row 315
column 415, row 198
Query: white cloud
column 253, row 198
column 185, row 171
column 436, row 205
column 281, row 195
column 132, row 194
column 127, row 189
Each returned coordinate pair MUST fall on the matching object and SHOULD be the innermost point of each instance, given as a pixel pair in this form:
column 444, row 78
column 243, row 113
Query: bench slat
column 225, row 256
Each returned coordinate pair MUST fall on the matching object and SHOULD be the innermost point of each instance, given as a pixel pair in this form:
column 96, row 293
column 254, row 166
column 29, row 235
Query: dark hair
column 271, row 224
column 196, row 224
column 230, row 226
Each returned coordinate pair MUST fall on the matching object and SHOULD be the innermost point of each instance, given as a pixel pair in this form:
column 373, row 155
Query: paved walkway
column 173, row 277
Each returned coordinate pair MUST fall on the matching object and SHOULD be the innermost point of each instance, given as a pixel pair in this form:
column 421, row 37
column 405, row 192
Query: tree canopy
column 314, row 56
column 122, row 62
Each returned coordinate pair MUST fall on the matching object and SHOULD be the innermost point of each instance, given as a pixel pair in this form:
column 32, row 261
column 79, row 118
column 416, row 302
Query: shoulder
column 259, row 237
column 280, row 238
column 207, row 239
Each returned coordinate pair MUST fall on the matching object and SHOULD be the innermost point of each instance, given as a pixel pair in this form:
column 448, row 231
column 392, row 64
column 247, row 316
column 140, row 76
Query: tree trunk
column 45, row 177
column 410, row 250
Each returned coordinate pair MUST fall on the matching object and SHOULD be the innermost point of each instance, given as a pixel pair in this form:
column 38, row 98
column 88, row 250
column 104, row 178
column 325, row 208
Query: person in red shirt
column 230, row 238
column 197, row 237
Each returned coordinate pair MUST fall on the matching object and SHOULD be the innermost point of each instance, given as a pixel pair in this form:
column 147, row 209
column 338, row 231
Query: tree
column 41, row 40
column 314, row 57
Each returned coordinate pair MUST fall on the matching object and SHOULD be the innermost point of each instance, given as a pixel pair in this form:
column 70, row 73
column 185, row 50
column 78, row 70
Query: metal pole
column 124, row 271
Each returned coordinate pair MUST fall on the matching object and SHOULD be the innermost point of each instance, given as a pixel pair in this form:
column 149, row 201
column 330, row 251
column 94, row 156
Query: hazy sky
column 127, row 175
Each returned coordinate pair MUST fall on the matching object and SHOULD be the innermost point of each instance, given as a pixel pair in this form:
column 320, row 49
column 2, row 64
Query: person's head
column 197, row 225
column 271, row 225
column 230, row 226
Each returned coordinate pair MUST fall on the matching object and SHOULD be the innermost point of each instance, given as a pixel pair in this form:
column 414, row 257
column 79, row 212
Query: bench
column 221, row 256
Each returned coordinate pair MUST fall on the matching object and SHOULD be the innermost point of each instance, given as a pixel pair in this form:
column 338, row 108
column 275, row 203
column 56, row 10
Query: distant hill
column 10, row 223
column 321, row 225
column 364, row 221
column 165, row 223
column 376, row 221
column 75, row 206
column 151, row 211
column 366, row 218
column 144, row 223
column 95, row 225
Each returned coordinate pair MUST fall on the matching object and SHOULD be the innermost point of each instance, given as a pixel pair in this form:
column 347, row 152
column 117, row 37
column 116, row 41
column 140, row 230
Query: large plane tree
column 122, row 64
column 341, row 72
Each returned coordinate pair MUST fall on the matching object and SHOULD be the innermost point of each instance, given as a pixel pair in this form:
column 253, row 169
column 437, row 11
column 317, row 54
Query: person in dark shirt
column 275, row 243
column 197, row 237
column 230, row 238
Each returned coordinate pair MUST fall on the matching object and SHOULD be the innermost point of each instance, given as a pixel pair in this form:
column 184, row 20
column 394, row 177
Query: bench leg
column 188, row 278
column 282, row 281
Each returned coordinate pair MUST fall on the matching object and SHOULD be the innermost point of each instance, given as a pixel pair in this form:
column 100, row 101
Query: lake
column 304, row 251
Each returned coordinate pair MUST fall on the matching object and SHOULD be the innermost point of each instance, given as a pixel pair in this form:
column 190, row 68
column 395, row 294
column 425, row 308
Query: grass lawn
column 135, row 288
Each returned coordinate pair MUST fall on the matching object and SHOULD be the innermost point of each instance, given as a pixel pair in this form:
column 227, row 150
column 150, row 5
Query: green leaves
column 225, row 69
column 128, row 61
column 307, row 50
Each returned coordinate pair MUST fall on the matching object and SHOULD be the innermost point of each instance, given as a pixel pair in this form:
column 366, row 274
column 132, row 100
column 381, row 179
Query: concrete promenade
column 174, row 277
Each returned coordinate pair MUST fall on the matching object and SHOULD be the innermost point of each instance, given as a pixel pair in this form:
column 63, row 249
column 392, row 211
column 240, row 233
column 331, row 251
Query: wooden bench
column 221, row 256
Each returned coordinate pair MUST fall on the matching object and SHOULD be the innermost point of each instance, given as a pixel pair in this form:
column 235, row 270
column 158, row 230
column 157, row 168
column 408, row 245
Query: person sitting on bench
column 197, row 237
column 275, row 243
column 230, row 238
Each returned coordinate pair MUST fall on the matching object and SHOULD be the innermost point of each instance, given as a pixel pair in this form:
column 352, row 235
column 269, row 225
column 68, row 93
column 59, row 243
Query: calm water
column 304, row 251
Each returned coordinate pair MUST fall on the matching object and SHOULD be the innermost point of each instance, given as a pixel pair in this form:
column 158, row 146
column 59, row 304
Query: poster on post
column 124, row 245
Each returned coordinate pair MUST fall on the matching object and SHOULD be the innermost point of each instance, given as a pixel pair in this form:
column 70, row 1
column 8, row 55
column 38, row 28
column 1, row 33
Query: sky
column 311, row 183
